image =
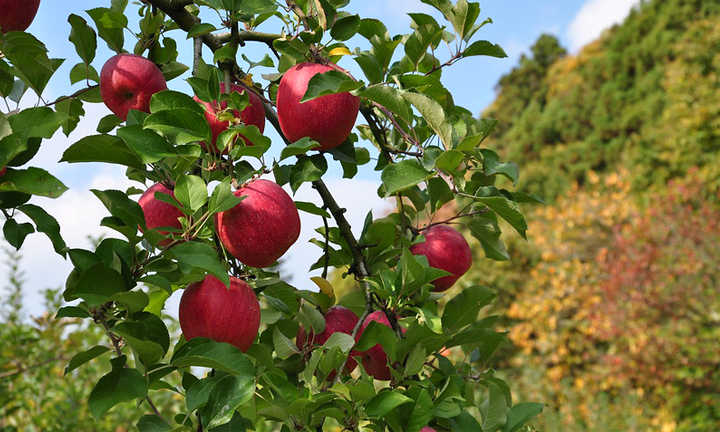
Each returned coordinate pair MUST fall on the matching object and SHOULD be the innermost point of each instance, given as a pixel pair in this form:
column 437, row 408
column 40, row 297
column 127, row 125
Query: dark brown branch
column 248, row 36
column 175, row 9
column 72, row 96
column 485, row 210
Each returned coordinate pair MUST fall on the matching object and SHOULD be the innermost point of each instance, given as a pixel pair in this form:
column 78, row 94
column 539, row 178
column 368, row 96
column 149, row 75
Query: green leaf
column 223, row 198
column 180, row 126
column 72, row 312
column 120, row 385
column 484, row 48
column 146, row 144
column 216, row 355
column 33, row 181
column 345, row 27
column 439, row 192
column 227, row 396
column 311, row 208
column 492, row 165
column 29, row 59
column 191, row 192
column 506, row 209
column 168, row 100
column 307, row 169
column 520, row 414
column 134, row 335
column 45, row 224
column 198, row 255
column 414, row 416
column 449, row 160
column 71, row 110
column 385, row 402
column 339, row 339
column 415, row 360
column 40, row 122
column 329, row 82
column 97, row 284
column 495, row 408
column 83, row 72
column 81, row 358
column 110, row 26
column 465, row 422
column 487, row 231
column 102, row 148
column 389, row 97
column 200, row 29
column 463, row 309
column 152, row 423
column 108, row 123
column 83, row 37
column 403, row 175
column 434, row 114
column 284, row 347
column 302, row 146
column 16, row 233
column 122, row 207
column 317, row 321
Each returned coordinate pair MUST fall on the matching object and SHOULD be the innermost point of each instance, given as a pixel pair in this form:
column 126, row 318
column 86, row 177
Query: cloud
column 594, row 17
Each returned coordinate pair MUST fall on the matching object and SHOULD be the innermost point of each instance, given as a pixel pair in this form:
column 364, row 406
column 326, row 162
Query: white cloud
column 594, row 17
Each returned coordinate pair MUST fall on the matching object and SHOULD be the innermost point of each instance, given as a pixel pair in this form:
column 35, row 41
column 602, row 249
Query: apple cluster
column 262, row 227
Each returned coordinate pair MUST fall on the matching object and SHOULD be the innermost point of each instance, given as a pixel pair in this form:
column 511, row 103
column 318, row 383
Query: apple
column 17, row 15
column 128, row 81
column 327, row 119
column 2, row 171
column 209, row 309
column 375, row 360
column 262, row 227
column 337, row 319
column 253, row 114
column 445, row 248
column 427, row 429
column 159, row 213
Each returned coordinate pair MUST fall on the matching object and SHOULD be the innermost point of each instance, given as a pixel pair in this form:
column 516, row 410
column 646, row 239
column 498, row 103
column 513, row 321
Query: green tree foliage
column 641, row 97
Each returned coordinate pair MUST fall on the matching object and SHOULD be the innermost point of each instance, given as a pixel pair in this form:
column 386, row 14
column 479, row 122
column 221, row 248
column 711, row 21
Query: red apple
column 262, row 227
column 159, row 213
column 211, row 310
column 427, row 429
column 446, row 249
column 337, row 319
column 2, row 171
column 128, row 81
column 253, row 114
column 328, row 119
column 375, row 360
column 17, row 15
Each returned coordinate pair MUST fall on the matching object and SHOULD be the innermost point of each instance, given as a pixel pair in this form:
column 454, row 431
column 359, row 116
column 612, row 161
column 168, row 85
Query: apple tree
column 256, row 352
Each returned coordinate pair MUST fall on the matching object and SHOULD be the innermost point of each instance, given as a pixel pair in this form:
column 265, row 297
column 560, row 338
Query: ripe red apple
column 262, row 227
column 209, row 309
column 128, row 81
column 328, row 119
column 427, row 429
column 337, row 319
column 446, row 249
column 17, row 15
column 253, row 114
column 374, row 360
column 159, row 213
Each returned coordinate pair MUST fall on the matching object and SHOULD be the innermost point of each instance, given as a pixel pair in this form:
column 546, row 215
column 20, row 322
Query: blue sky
column 517, row 24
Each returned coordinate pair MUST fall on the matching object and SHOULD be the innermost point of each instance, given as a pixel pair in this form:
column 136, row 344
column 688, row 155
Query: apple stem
column 446, row 221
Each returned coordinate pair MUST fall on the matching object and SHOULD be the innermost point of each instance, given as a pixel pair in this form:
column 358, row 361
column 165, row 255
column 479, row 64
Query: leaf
column 120, row 385
column 301, row 146
column 200, row 29
column 191, row 192
column 122, row 207
column 329, row 82
column 484, row 48
column 16, row 233
column 40, row 122
column 417, row 414
column 487, row 231
column 380, row 405
column 339, row 51
column 494, row 409
column 83, row 37
column 168, row 100
column 146, row 144
column 72, row 312
column 29, row 59
column 83, row 72
column 198, row 255
column 102, row 148
column 45, row 224
column 449, row 160
column 492, row 165
column 180, row 126
column 434, row 114
column 223, row 198
column 307, row 169
column 340, row 339
column 463, row 309
column 311, row 208
column 134, row 335
column 345, row 27
column 389, row 97
column 415, row 360
column 97, row 284
column 506, row 209
column 283, row 346
column 520, row 414
column 110, row 26
column 71, row 110
column 81, row 358
column 33, row 181
column 403, row 175
column 227, row 396
column 216, row 355
column 152, row 423
column 317, row 321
